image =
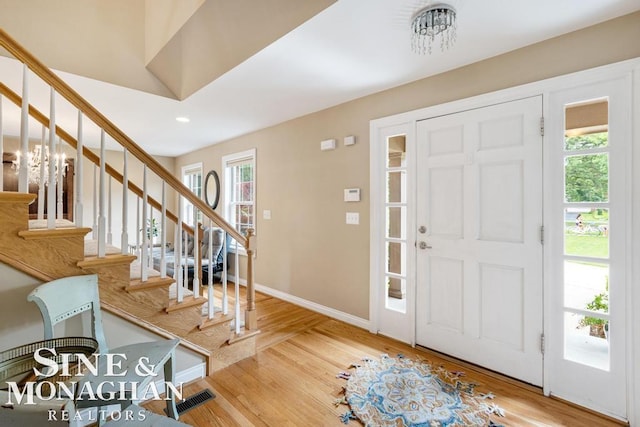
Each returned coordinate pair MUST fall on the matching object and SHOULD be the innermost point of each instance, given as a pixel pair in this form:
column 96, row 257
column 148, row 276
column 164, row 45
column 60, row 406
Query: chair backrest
column 68, row 297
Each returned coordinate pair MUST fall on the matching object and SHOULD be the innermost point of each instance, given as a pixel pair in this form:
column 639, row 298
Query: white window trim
column 226, row 185
column 183, row 171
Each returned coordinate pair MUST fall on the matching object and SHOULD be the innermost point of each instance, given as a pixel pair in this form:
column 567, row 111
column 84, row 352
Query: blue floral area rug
column 403, row 392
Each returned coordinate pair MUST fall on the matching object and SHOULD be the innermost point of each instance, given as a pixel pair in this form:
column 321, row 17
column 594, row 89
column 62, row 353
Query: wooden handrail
column 44, row 120
column 42, row 71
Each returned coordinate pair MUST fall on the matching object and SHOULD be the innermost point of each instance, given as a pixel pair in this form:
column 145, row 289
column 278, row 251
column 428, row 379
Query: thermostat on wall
column 351, row 194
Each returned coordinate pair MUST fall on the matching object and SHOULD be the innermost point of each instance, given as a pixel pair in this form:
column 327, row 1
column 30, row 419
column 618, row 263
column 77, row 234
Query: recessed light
column 183, row 119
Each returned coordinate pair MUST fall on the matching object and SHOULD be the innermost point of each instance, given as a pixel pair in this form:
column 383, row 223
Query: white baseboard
column 318, row 308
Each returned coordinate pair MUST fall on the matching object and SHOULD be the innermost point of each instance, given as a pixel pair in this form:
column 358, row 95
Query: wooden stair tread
column 221, row 318
column 53, row 233
column 188, row 301
column 115, row 259
column 152, row 282
column 243, row 335
column 91, row 248
column 15, row 197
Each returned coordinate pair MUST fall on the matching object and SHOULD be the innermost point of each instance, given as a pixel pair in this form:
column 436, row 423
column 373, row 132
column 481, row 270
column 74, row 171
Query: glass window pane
column 586, row 232
column 396, row 187
column 586, row 340
column 585, row 142
column 396, row 297
column 396, row 258
column 396, row 221
column 587, row 178
column 396, row 151
column 586, row 286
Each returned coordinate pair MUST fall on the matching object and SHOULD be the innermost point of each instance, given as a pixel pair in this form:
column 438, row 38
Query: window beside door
column 586, row 236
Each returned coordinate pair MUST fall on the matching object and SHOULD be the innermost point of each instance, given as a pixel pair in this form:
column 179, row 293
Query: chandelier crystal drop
column 432, row 22
column 34, row 164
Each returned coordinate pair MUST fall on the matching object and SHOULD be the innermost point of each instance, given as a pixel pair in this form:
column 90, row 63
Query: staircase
column 52, row 248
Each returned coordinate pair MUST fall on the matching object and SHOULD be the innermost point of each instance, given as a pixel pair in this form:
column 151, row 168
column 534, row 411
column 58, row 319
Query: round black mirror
column 212, row 189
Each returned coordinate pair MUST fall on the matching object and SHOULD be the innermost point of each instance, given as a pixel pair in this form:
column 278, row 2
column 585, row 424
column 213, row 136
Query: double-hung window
column 192, row 178
column 240, row 189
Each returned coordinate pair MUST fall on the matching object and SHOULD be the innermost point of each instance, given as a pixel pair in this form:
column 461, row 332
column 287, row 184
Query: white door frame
column 541, row 87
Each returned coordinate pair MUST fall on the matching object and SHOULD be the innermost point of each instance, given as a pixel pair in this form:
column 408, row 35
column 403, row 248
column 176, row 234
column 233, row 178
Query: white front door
column 589, row 141
column 479, row 218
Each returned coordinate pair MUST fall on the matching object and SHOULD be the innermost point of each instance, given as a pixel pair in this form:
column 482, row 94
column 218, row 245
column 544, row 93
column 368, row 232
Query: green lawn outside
column 584, row 245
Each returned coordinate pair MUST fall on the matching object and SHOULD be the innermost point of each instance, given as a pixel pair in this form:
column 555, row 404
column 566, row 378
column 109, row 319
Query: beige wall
column 306, row 249
column 111, row 33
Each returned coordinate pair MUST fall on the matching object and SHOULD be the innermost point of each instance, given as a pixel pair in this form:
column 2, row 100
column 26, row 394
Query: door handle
column 423, row 245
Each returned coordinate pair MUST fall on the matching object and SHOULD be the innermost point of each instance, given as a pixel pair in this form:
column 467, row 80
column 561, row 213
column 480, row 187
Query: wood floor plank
column 292, row 379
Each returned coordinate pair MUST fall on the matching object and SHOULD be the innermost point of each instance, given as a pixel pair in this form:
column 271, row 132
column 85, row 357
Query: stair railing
column 130, row 147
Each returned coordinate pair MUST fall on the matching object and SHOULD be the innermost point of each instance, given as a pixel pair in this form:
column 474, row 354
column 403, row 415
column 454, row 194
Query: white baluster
column 101, row 197
column 110, row 215
column 1, row 146
column 163, row 234
column 178, row 253
column 236, row 271
column 23, row 173
column 59, row 160
column 196, row 254
column 124, row 240
column 210, row 295
column 43, row 178
column 78, row 217
column 94, row 227
column 150, row 248
column 185, row 267
column 51, row 188
column 225, row 297
column 138, row 228
column 145, row 227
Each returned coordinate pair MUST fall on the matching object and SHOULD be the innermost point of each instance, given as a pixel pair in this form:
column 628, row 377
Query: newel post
column 250, row 314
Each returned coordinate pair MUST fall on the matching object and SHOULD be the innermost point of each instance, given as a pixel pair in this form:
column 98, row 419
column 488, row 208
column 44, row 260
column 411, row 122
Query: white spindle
column 210, row 295
column 178, row 253
column 225, row 297
column 185, row 267
column 51, row 188
column 196, row 254
column 110, row 214
column 138, row 228
column 43, row 178
column 59, row 160
column 145, row 227
column 163, row 234
column 150, row 249
column 94, row 226
column 1, row 146
column 236, row 271
column 124, row 240
column 79, row 182
column 23, row 173
column 101, row 199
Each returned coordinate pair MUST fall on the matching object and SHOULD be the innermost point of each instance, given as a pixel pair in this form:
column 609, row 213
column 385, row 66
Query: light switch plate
column 353, row 218
column 266, row 214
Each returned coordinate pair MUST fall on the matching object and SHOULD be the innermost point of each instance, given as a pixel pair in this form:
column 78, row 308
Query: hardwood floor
column 292, row 379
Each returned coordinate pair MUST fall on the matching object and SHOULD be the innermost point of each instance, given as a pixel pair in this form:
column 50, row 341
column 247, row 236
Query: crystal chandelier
column 35, row 168
column 436, row 20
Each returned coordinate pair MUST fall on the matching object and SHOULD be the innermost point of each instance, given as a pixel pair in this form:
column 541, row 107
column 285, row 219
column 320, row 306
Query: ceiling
column 350, row 49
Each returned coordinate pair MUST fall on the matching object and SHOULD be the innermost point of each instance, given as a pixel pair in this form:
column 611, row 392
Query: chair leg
column 169, row 369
